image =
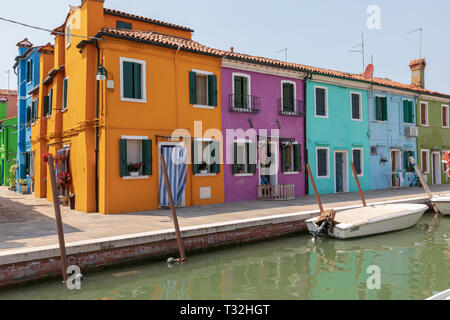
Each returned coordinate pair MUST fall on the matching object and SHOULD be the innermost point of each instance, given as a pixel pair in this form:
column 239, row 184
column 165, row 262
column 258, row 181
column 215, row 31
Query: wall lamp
column 102, row 73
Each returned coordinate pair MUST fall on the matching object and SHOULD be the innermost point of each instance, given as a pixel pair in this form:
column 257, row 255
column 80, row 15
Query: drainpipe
column 308, row 77
column 97, row 131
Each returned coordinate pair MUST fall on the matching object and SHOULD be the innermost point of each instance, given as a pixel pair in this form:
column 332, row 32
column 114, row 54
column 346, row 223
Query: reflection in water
column 414, row 263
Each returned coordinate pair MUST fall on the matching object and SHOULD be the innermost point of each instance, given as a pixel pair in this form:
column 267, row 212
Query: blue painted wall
column 387, row 135
column 24, row 100
column 337, row 132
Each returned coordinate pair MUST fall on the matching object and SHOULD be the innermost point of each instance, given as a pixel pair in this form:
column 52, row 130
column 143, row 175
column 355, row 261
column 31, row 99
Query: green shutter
column 405, row 159
column 377, row 108
column 147, row 157
column 212, row 90
column 137, row 81
column 297, row 158
column 195, row 160
column 215, row 157
column 37, row 109
column 123, row 158
column 192, row 87
column 50, row 102
column 288, row 97
column 235, row 164
column 128, row 91
column 238, row 94
column 283, row 159
column 65, row 93
column 384, row 106
column 32, row 111
column 411, row 111
column 251, row 157
column 405, row 111
column 46, row 104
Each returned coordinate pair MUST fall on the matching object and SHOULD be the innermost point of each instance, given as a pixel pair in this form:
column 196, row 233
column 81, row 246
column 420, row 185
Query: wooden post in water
column 59, row 226
column 316, row 193
column 424, row 184
column 172, row 208
column 355, row 174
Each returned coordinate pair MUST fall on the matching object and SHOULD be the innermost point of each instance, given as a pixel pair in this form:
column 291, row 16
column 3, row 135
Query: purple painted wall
column 268, row 88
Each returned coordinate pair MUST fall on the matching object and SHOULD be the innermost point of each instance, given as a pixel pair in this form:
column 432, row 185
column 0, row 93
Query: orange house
column 113, row 90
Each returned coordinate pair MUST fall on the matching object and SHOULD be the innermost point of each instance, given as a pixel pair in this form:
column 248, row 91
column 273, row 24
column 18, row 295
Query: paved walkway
column 29, row 222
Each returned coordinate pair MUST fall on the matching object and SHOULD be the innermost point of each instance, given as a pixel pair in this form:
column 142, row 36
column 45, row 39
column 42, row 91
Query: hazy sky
column 318, row 33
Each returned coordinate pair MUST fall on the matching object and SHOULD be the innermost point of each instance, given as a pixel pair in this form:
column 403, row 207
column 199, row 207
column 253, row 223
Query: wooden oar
column 316, row 193
column 359, row 186
column 424, row 183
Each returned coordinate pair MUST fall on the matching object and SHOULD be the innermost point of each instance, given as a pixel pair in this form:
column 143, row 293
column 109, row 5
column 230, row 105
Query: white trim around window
column 361, row 161
column 68, row 35
column 428, row 160
column 143, row 80
column 326, row 102
column 328, row 163
column 249, row 83
column 360, row 106
column 444, row 106
column 295, row 91
column 64, row 108
column 204, row 73
column 426, row 114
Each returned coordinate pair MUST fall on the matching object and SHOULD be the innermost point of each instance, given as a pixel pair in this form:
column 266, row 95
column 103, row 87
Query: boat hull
column 443, row 204
column 397, row 221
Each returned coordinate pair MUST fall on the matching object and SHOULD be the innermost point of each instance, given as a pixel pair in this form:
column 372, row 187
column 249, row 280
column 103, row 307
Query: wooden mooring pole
column 59, row 225
column 172, row 208
column 316, row 193
column 355, row 174
column 424, row 183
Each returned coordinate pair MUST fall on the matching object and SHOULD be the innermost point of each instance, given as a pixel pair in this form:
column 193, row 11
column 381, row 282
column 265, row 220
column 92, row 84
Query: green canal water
column 414, row 264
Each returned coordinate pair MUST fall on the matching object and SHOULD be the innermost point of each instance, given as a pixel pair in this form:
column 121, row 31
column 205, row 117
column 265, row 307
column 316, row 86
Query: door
column 2, row 169
column 436, row 160
column 268, row 162
column 340, row 169
column 396, row 174
column 175, row 159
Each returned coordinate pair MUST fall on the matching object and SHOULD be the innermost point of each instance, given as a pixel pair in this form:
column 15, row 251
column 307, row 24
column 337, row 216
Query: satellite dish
column 3, row 100
column 369, row 71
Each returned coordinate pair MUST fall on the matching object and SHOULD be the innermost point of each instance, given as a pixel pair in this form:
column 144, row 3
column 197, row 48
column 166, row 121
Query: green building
column 8, row 144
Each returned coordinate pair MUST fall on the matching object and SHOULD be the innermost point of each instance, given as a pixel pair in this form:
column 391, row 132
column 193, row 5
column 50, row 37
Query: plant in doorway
column 133, row 168
column 23, row 185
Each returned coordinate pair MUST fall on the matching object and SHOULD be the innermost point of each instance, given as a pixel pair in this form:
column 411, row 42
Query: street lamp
column 102, row 73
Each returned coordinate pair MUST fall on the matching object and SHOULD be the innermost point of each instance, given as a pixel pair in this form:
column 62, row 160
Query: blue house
column 393, row 138
column 27, row 70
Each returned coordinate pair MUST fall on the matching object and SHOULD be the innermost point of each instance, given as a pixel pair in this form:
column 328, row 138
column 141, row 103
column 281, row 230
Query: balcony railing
column 276, row 192
column 291, row 108
column 246, row 104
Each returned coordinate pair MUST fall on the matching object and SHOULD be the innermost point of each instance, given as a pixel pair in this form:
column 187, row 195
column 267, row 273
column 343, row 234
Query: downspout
column 308, row 77
column 97, row 131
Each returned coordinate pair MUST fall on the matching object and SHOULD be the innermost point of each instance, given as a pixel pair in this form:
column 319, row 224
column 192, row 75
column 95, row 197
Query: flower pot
column 72, row 201
column 134, row 174
column 24, row 189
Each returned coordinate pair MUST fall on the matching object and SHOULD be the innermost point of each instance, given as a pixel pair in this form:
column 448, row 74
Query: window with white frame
column 358, row 162
column 206, row 156
column 445, row 116
column 425, row 160
column 424, row 114
column 321, row 101
column 244, row 161
column 290, row 157
column 133, row 80
column 323, row 162
column 444, row 163
column 356, row 104
column 29, row 70
column 65, row 94
column 202, row 89
column 288, row 96
column 135, row 156
column 68, row 35
column 241, row 91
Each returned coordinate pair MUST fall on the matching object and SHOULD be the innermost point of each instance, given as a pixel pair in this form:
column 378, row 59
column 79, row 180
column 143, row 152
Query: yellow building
column 121, row 84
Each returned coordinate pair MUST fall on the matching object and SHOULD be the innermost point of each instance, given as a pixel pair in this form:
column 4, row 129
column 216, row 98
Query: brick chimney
column 418, row 72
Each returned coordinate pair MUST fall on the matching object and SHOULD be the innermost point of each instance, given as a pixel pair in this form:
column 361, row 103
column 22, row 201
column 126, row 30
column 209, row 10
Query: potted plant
column 133, row 169
column 383, row 160
column 241, row 168
column 203, row 167
column 64, row 179
column 23, row 185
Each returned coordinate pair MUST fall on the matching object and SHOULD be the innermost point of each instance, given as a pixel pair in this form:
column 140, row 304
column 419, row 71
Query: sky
column 319, row 33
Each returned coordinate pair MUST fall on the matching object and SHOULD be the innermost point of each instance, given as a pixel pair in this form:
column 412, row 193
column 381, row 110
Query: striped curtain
column 175, row 158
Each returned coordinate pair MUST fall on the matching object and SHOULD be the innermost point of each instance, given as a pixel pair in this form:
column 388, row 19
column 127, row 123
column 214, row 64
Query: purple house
column 263, row 127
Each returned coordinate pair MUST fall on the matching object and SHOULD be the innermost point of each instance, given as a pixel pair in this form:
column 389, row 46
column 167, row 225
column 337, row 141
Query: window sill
column 133, row 100
column 243, row 174
column 205, row 174
column 360, row 120
column 135, row 178
column 324, row 117
column 424, row 125
column 201, row 106
column 291, row 172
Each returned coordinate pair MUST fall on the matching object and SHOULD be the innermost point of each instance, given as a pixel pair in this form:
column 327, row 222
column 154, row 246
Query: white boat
column 443, row 204
column 444, row 295
column 373, row 219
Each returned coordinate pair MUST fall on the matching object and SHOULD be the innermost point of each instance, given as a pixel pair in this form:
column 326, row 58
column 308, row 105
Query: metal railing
column 245, row 104
column 291, row 108
column 276, row 192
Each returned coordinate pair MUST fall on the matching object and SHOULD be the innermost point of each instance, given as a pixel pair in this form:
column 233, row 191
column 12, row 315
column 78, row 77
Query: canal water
column 414, row 264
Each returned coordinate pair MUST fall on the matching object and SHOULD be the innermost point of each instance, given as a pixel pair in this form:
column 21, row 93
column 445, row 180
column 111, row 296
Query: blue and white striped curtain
column 175, row 158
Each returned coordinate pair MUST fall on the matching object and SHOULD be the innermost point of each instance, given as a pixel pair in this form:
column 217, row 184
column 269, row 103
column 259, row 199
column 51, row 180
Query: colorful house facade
column 110, row 103
column 8, row 145
column 27, row 69
column 262, row 116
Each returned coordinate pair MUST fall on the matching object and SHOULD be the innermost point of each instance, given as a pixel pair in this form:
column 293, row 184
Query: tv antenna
column 285, row 52
column 420, row 39
column 361, row 50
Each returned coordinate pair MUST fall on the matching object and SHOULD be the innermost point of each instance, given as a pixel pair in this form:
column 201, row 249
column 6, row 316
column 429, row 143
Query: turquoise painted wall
column 337, row 132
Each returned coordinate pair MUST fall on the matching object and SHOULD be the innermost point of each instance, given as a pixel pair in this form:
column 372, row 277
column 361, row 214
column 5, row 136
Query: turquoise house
column 337, row 131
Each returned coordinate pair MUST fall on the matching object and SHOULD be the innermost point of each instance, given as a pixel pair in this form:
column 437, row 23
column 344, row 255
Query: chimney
column 418, row 72
column 231, row 49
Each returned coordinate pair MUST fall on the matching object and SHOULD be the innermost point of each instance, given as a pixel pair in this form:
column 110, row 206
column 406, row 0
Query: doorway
column 436, row 162
column 340, row 171
column 396, row 167
column 268, row 162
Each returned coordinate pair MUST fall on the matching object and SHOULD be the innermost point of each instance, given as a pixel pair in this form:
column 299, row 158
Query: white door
column 396, row 167
column 436, row 161
column 340, row 171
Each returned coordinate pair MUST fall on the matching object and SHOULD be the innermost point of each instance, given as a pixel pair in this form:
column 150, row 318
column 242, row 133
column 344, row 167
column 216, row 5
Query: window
column 424, row 114
column 373, row 150
column 133, row 80
column 68, row 35
column 381, row 108
column 135, row 156
column 321, row 101
column 444, row 163
column 288, row 96
column 408, row 111
column 29, row 70
column 356, row 106
column 323, row 164
column 202, row 88
column 291, row 158
column 241, row 91
column 206, row 156
column 123, row 25
column 445, row 116
column 244, row 157
column 29, row 107
column 34, row 110
column 65, row 93
column 48, row 100
column 357, row 156
column 425, row 161
column 406, row 163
